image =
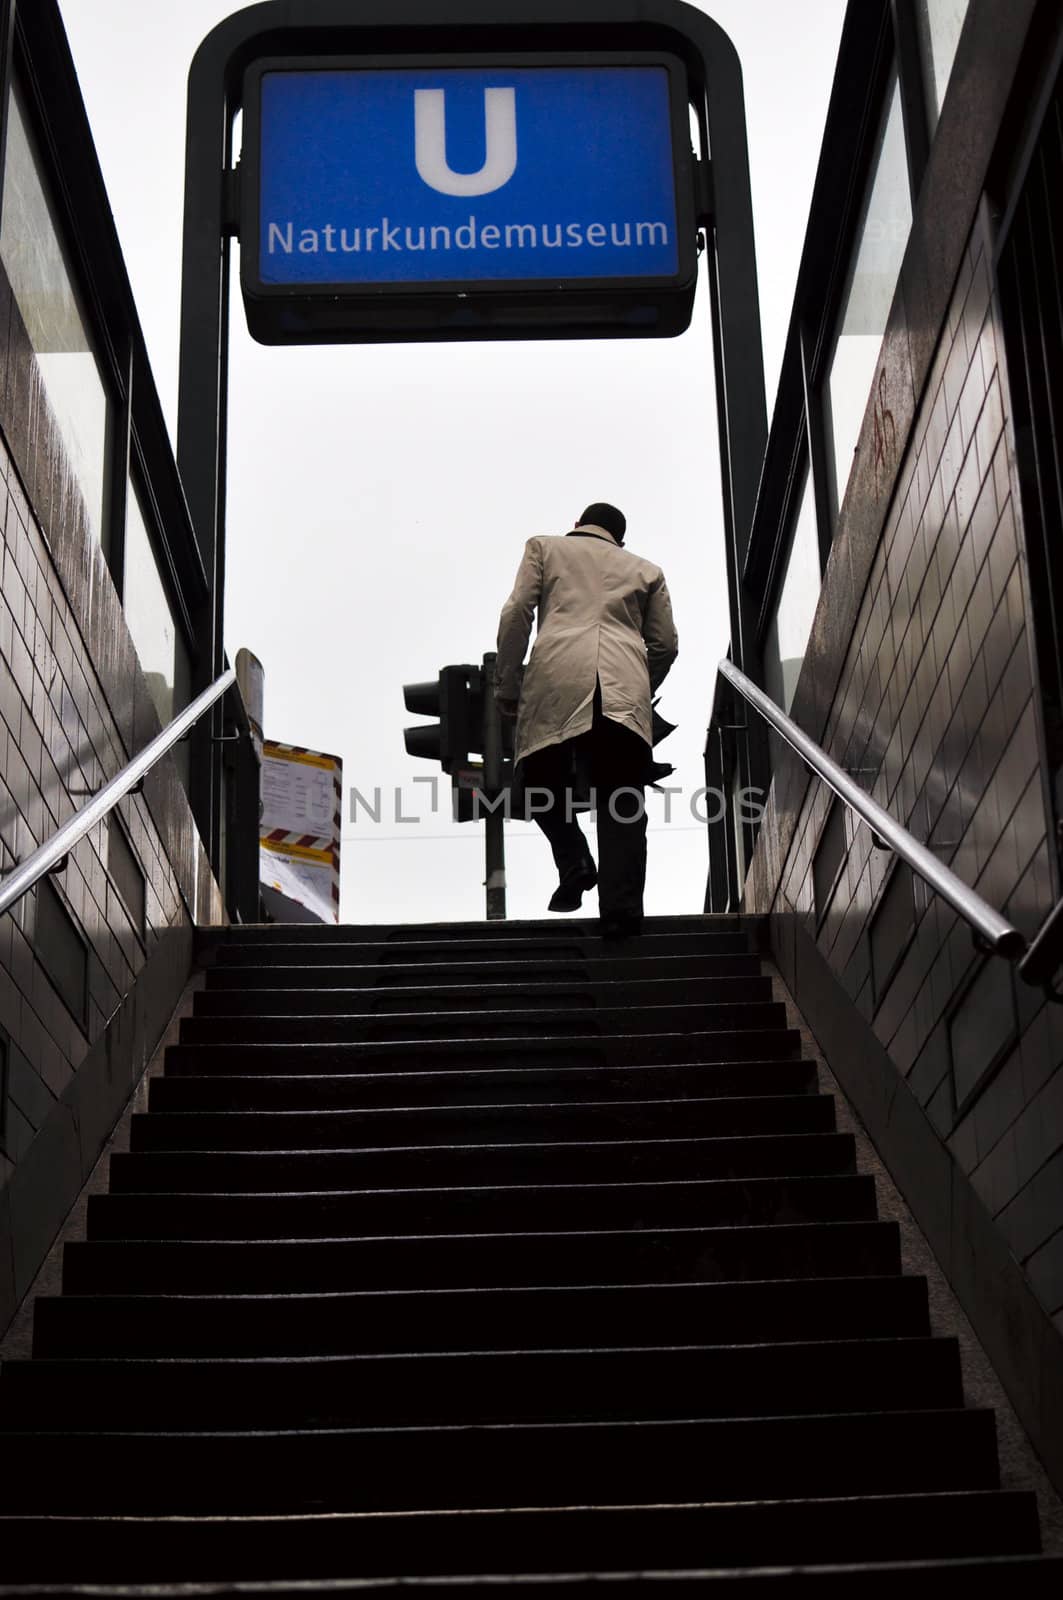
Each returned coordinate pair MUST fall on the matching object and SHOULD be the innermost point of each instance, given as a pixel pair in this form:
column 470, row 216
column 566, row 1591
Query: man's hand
column 507, row 709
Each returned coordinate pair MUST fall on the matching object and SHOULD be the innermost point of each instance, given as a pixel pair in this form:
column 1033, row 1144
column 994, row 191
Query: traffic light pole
column 494, row 817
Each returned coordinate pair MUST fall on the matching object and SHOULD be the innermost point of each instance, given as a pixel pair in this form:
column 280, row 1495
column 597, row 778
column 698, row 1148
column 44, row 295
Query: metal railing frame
column 1037, row 962
column 50, row 856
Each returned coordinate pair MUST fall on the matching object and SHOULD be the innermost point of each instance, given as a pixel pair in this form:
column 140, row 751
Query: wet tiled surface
column 926, row 682
column 71, row 696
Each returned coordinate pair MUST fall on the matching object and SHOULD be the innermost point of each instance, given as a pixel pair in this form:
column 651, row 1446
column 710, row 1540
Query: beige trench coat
column 604, row 614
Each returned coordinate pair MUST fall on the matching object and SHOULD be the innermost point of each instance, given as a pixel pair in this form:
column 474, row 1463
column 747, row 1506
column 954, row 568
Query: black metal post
column 724, row 889
column 242, row 788
column 202, row 432
column 494, row 814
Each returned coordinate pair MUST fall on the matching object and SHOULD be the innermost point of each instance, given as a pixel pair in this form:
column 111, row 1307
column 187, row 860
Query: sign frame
column 211, row 219
column 610, row 306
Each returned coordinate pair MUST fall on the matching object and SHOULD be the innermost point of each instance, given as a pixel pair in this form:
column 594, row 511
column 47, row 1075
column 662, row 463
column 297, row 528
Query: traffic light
column 456, row 698
column 462, row 699
column 468, row 722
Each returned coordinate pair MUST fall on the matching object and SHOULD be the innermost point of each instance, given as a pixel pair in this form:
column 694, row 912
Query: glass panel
column 940, row 25
column 51, row 308
column 163, row 657
column 881, row 236
column 795, row 606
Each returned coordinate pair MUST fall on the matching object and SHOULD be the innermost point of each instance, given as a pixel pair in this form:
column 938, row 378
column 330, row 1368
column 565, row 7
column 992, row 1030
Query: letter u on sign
column 500, row 117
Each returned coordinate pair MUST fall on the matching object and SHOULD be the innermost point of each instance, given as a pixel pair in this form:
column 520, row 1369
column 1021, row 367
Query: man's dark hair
column 607, row 517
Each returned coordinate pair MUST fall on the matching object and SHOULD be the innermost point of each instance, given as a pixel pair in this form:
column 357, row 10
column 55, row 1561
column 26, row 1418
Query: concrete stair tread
column 1025, row 1575
column 410, row 1026
column 503, row 1464
column 496, row 932
column 643, row 1049
column 502, row 1085
column 590, row 994
column 678, row 1157
column 630, row 1255
column 489, row 1208
column 583, row 966
column 946, row 1526
column 377, row 1321
column 536, row 1122
column 565, row 1384
column 438, row 1058
column 481, row 935
column 551, row 947
column 639, row 1107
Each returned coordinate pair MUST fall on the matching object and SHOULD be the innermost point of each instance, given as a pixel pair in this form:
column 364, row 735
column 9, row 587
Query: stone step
column 263, row 1027
column 499, row 1465
column 719, row 1116
column 299, row 1000
column 512, row 1386
column 514, row 1208
column 497, row 1260
column 479, row 931
column 494, row 1086
column 367, row 1322
column 1023, row 1575
column 607, row 1161
column 626, row 1539
column 554, row 944
column 556, row 1054
column 392, row 971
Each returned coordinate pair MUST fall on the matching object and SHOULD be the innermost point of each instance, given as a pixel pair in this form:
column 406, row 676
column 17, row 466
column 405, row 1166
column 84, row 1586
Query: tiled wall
column 74, row 707
column 934, row 709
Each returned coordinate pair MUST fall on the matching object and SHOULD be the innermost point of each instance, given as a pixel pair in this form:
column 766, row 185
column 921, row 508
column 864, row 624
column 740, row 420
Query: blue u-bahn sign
column 506, row 198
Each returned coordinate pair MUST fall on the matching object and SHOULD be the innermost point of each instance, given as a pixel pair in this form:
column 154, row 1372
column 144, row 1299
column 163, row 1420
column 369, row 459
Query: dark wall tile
column 996, row 1178
column 1045, row 1268
column 18, row 1133
column 1032, row 1218
column 1042, row 1051
column 28, row 1090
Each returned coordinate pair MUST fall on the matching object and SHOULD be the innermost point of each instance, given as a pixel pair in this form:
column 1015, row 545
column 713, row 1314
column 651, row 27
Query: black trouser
column 615, row 760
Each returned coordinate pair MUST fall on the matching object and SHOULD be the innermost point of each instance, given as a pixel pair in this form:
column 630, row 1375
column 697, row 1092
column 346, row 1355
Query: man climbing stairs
column 455, row 1252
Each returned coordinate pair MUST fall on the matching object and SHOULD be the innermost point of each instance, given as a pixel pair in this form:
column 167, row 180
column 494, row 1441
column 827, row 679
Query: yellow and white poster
column 299, row 831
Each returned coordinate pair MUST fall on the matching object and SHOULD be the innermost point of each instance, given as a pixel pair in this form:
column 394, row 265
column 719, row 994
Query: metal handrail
column 999, row 934
column 48, row 856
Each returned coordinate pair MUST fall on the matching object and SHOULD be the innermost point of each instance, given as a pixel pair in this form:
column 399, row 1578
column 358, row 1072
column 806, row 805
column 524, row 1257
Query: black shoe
column 621, row 924
column 568, row 896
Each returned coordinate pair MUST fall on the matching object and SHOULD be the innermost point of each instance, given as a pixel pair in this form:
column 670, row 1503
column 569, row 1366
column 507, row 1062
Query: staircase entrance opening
column 476, row 257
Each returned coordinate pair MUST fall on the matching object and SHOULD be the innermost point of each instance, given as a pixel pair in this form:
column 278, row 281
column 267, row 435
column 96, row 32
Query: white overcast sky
column 379, row 497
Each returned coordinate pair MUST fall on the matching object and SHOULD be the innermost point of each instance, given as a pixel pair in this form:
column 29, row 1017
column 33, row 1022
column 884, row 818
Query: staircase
column 475, row 1253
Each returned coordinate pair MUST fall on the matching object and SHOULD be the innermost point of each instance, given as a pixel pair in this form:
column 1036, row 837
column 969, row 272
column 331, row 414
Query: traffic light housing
column 456, row 699
column 467, row 724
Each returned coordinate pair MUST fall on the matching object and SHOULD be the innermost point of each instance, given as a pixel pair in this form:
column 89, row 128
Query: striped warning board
column 299, row 830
